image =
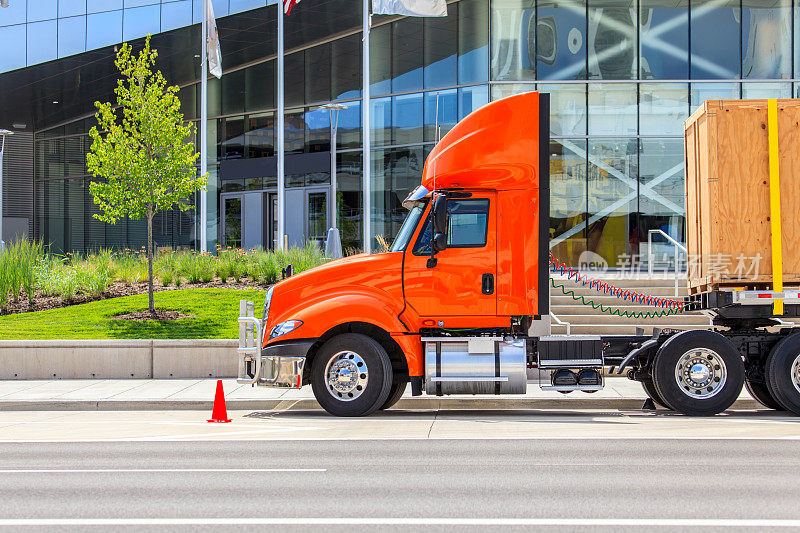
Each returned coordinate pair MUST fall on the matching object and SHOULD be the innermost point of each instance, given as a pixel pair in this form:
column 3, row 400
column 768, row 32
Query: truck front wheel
column 698, row 373
column 351, row 375
column 783, row 373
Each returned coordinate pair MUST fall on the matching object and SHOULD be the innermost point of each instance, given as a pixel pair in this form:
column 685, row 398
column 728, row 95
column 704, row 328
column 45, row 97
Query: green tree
column 140, row 149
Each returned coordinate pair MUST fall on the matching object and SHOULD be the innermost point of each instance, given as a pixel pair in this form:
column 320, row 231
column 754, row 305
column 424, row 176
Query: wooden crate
column 728, row 195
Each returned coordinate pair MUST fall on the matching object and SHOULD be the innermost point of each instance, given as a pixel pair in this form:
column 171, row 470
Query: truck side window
column 467, row 226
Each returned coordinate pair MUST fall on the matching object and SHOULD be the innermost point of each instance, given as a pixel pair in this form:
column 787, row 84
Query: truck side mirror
column 440, row 214
column 439, row 242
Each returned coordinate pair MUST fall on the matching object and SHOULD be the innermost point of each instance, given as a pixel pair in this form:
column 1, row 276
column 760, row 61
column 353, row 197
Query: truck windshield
column 407, row 229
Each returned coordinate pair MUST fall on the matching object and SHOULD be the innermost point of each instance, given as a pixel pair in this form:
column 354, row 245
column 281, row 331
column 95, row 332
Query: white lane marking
column 583, row 522
column 193, row 438
column 126, row 470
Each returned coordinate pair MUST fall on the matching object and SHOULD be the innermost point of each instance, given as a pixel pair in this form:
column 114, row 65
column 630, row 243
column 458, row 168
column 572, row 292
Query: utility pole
column 204, row 128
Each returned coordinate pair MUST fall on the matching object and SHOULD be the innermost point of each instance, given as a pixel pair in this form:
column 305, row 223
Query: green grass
column 215, row 312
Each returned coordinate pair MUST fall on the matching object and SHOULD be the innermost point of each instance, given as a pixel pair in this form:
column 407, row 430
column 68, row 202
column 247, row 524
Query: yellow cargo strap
column 775, row 203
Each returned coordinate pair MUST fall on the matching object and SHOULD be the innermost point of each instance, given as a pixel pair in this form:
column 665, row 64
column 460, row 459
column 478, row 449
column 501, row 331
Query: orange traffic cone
column 219, row 413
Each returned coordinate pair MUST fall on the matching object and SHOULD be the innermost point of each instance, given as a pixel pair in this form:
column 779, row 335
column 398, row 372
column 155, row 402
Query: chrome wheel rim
column 346, row 376
column 796, row 373
column 701, row 373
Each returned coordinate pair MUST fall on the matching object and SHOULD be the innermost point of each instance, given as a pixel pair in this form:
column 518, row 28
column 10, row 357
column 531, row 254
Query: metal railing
column 678, row 246
column 560, row 322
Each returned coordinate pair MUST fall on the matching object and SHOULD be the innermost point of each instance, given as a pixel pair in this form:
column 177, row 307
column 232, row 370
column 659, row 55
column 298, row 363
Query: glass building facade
column 622, row 75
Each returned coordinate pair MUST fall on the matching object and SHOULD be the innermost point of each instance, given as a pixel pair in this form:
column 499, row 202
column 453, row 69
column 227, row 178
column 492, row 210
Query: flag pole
column 365, row 104
column 204, row 128
column 280, row 132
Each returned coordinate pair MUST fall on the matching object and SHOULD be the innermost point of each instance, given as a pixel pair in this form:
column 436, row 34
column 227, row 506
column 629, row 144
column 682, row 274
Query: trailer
column 460, row 302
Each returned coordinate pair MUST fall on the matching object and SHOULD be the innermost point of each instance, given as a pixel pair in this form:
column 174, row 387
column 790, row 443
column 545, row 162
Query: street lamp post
column 3, row 134
column 333, row 111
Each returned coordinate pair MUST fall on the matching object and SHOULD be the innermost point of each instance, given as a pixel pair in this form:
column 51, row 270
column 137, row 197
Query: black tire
column 378, row 375
column 709, row 348
column 782, row 362
column 652, row 393
column 396, row 392
column 760, row 391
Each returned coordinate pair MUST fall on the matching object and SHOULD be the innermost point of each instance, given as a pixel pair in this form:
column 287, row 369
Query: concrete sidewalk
column 176, row 394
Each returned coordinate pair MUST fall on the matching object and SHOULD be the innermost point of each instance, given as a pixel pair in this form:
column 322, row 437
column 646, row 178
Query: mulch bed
column 117, row 289
column 139, row 316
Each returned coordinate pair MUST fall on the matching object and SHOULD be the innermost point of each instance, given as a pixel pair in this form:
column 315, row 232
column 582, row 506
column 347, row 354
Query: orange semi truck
column 460, row 302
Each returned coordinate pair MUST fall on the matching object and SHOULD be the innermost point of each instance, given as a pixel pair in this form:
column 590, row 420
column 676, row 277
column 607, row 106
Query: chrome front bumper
column 266, row 370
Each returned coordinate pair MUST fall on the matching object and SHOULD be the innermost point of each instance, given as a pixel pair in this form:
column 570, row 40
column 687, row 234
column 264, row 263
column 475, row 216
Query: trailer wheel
column 652, row 393
column 396, row 392
column 760, row 391
column 698, row 373
column 351, row 375
column 783, row 373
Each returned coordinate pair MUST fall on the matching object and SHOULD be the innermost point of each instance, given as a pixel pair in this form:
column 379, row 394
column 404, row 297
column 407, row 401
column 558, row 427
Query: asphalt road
column 379, row 482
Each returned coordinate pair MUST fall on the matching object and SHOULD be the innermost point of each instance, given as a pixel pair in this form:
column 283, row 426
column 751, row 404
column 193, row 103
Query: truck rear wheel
column 396, row 392
column 698, row 373
column 351, row 375
column 650, row 390
column 760, row 391
column 783, row 373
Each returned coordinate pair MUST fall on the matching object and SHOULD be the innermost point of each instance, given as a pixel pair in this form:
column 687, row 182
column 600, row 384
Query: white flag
column 413, row 8
column 212, row 40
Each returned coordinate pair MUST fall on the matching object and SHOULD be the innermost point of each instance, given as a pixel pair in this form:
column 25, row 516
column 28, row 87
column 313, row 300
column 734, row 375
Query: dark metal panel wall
column 18, row 178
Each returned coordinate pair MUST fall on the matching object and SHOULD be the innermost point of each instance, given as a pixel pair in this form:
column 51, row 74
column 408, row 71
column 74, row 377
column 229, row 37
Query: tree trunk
column 150, row 260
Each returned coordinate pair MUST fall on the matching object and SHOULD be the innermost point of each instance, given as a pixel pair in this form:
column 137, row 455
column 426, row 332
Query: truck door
column 462, row 283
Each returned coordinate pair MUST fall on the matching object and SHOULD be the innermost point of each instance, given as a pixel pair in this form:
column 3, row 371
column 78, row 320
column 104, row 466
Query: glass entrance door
column 317, row 216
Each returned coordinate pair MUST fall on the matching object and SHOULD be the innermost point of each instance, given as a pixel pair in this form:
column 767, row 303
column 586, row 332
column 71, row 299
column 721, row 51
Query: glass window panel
column 407, row 118
column 103, row 29
column 714, row 41
column 71, row 36
column 561, row 34
column 467, row 223
column 797, row 39
column 568, row 201
column 767, row 90
column 441, row 49
column 42, row 10
column 664, row 41
column 381, row 186
column 140, row 21
column 348, row 130
column 407, row 54
column 294, row 78
column 473, row 41
column 70, row 8
column 318, row 74
column 380, row 115
column 613, row 232
column 612, row 109
column 766, row 38
column 220, row 8
column 395, row 173
column 42, row 43
column 214, row 96
column 662, row 108
column 380, row 64
column 232, row 138
column 233, row 92
column 513, row 40
column 213, row 143
column 349, row 175
column 471, row 98
column 237, row 6
column 188, row 98
column 318, row 125
column 661, row 197
column 96, row 6
column 176, row 15
column 260, row 136
column 260, row 86
column 612, row 50
column 140, row 3
column 797, row 90
column 14, row 13
column 13, row 55
column 346, row 67
column 567, row 108
column 294, row 132
column 501, row 90
column 448, row 113
column 700, row 92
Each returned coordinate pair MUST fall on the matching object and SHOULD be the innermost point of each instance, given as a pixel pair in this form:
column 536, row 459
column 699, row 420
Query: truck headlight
column 285, row 327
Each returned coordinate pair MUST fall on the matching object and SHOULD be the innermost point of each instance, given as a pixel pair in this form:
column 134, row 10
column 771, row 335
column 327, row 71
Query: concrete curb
column 310, row 404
